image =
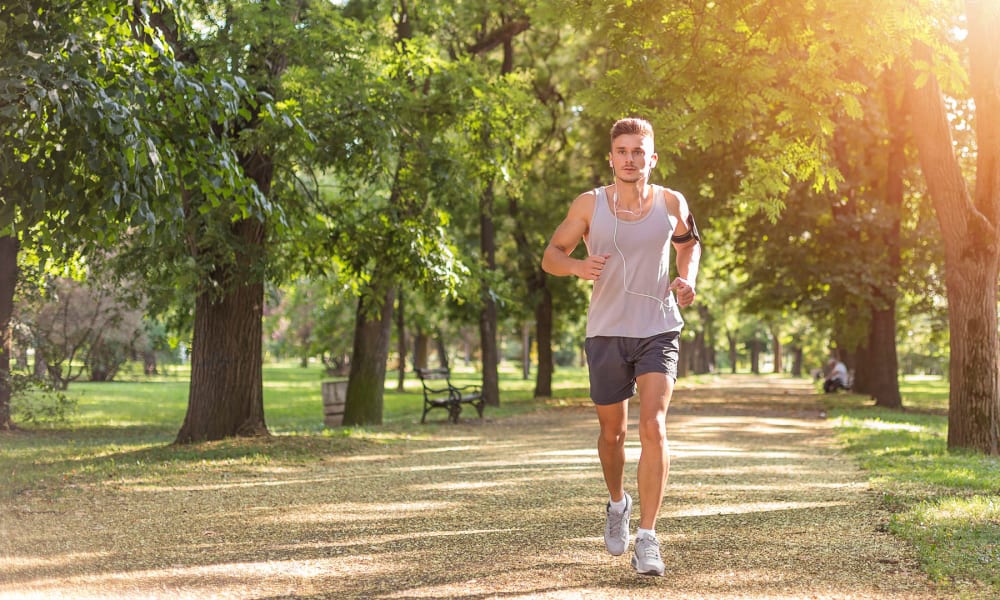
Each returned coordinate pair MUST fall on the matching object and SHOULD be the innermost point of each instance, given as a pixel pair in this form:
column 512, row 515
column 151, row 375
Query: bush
column 35, row 400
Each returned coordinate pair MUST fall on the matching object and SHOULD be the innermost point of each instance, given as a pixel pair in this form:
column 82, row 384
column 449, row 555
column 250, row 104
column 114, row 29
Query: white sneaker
column 646, row 558
column 616, row 528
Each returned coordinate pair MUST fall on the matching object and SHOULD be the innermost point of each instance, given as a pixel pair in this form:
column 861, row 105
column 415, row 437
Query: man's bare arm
column 688, row 255
column 557, row 260
column 688, row 260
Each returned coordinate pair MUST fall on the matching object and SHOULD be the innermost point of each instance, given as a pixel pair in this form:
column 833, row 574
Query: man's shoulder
column 585, row 201
column 583, row 205
column 671, row 195
column 674, row 201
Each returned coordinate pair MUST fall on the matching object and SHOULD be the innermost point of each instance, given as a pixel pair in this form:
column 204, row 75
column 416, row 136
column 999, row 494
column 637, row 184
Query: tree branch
column 504, row 33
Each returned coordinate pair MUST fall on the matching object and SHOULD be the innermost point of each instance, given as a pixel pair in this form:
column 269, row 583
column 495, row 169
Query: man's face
column 632, row 157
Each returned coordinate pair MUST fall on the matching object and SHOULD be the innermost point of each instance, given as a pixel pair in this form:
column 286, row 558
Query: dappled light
column 883, row 426
column 249, row 248
column 753, row 499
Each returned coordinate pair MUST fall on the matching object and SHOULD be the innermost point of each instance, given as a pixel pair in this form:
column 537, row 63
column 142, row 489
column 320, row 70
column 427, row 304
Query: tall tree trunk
column 974, row 408
column 538, row 291
column 543, row 332
column 797, row 357
column 683, row 357
column 226, row 391
column 707, row 364
column 969, row 227
column 226, row 396
column 884, row 380
column 525, row 350
column 488, row 314
column 401, row 340
column 776, row 341
column 41, row 366
column 372, row 334
column 699, row 353
column 487, row 240
column 863, row 365
column 21, row 357
column 733, row 354
column 442, row 350
column 755, row 349
column 8, row 283
column 421, row 349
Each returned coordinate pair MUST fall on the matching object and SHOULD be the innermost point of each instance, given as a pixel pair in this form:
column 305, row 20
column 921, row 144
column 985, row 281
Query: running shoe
column 646, row 558
column 616, row 528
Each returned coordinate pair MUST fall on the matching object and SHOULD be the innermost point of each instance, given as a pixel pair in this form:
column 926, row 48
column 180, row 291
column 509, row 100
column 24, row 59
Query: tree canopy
column 418, row 153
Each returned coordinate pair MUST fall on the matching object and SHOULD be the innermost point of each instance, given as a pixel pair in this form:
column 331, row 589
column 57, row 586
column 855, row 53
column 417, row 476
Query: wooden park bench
column 449, row 397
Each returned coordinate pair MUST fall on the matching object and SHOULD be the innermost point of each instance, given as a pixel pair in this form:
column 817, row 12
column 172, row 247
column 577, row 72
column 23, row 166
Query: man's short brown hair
column 631, row 126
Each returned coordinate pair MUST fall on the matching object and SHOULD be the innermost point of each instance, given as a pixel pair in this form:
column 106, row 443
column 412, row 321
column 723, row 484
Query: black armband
column 691, row 234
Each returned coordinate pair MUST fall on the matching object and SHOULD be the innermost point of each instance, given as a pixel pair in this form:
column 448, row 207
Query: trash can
column 334, row 398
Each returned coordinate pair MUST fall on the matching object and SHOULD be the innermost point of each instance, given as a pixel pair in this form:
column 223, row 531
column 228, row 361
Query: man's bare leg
column 655, row 391
column 613, row 419
column 611, row 449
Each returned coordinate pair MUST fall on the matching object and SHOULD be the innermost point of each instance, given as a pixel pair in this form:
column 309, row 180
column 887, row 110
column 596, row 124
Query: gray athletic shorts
column 615, row 362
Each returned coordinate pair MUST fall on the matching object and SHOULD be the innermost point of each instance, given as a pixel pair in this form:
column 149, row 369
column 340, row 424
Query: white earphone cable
column 665, row 306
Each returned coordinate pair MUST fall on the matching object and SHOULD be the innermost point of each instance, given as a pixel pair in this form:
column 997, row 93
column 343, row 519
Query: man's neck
column 631, row 193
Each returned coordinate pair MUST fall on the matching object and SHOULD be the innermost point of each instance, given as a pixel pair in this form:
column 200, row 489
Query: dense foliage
column 366, row 157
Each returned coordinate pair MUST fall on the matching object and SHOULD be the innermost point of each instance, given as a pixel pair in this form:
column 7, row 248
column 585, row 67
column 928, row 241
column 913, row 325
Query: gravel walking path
column 760, row 504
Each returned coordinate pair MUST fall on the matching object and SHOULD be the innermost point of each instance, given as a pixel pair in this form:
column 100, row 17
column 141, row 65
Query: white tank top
column 645, row 270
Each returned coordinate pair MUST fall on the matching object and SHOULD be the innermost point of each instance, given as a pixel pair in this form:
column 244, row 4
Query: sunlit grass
column 124, row 428
column 946, row 503
column 958, row 538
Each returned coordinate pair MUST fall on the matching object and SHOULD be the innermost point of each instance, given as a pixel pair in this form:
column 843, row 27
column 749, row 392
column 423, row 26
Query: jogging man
column 634, row 321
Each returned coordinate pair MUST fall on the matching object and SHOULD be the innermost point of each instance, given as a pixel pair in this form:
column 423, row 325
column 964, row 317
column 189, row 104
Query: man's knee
column 653, row 430
column 612, row 436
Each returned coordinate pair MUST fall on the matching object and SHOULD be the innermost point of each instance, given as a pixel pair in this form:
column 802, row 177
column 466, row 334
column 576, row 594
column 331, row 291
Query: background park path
column 761, row 504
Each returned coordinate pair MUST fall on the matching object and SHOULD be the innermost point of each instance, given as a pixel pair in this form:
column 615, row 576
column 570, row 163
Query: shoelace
column 615, row 523
column 651, row 549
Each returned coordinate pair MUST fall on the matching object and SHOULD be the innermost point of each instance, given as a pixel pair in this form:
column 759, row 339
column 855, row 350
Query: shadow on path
column 760, row 505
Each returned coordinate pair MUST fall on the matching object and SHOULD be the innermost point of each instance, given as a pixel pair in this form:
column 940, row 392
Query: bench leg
column 454, row 410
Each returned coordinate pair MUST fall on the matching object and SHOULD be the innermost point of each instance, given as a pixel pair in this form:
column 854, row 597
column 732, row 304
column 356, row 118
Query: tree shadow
column 515, row 508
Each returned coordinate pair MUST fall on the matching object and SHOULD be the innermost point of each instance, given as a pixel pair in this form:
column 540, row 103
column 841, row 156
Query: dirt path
column 760, row 505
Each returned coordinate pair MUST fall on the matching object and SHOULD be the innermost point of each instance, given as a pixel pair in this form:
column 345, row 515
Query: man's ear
column 652, row 160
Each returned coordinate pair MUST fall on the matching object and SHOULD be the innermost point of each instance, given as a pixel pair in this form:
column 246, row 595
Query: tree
column 498, row 109
column 877, row 366
column 969, row 222
column 226, row 394
column 231, row 180
column 396, row 171
column 552, row 171
column 84, row 325
column 764, row 77
column 845, row 265
column 77, row 160
column 312, row 317
column 8, row 281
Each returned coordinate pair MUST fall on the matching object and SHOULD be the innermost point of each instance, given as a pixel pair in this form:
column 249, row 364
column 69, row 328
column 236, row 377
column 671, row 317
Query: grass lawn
column 123, row 428
column 946, row 503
